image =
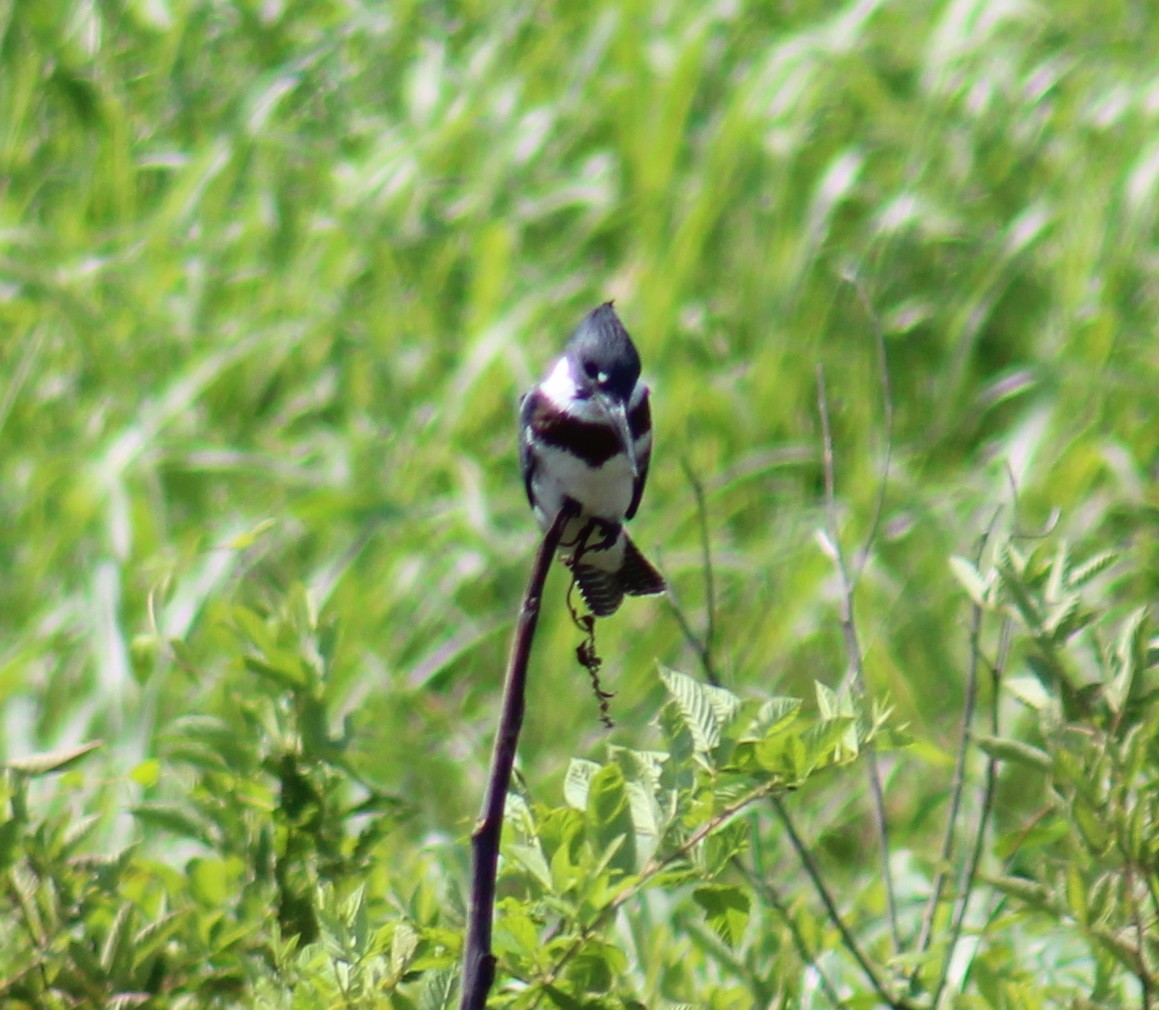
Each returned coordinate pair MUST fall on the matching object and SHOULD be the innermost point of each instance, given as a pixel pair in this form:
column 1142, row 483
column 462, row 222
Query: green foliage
column 1085, row 859
column 271, row 278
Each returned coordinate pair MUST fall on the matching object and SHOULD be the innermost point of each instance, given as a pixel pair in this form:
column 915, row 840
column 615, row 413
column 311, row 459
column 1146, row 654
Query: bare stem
column 847, row 937
column 853, row 651
column 970, row 871
column 478, row 960
column 958, row 783
column 706, row 552
column 887, row 423
column 773, row 898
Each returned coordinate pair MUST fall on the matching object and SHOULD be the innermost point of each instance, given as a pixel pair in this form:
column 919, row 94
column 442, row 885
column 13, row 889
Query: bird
column 585, row 436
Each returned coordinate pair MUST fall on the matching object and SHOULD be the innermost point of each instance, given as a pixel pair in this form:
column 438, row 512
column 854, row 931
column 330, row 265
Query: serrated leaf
column 776, row 714
column 403, row 945
column 48, row 762
column 154, row 934
column 531, row 858
column 1024, row 604
column 730, row 839
column 970, row 579
column 1015, row 751
column 438, row 989
column 1064, row 619
column 117, row 950
column 828, row 704
column 704, row 709
column 726, row 910
column 79, row 830
column 1057, row 578
column 577, row 781
column 175, row 819
column 827, row 742
column 1029, row 690
column 1130, row 658
column 1080, row 575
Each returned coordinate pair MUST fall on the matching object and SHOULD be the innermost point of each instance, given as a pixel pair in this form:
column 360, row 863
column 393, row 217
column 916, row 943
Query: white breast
column 605, row 492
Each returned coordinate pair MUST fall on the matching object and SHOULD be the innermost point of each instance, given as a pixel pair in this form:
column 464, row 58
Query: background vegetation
column 272, row 277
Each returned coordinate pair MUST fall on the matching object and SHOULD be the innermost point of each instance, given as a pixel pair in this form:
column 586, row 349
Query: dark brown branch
column 478, row 961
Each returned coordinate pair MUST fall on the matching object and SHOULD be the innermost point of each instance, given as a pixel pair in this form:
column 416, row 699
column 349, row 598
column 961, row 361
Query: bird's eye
column 591, row 369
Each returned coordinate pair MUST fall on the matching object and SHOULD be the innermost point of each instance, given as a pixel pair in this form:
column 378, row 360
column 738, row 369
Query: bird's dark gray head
column 602, row 357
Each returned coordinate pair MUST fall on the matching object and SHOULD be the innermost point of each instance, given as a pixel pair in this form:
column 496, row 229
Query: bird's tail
column 603, row 591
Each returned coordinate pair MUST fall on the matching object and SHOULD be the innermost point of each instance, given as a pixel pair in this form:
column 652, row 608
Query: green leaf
column 438, row 990
column 577, row 782
column 828, row 704
column 531, row 858
column 726, row 910
column 404, row 945
column 176, row 819
column 596, row 966
column 210, row 882
column 1015, row 752
column 775, row 715
column 704, row 709
column 1080, row 575
column 1130, row 659
column 783, row 755
column 970, row 579
column 248, row 538
column 827, row 742
column 1094, row 829
column 49, row 762
column 1029, row 892
column 117, row 950
column 610, row 815
column 727, row 841
column 283, row 668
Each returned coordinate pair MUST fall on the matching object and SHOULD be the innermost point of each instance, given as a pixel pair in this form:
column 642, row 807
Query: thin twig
column 847, row 937
column 703, row 649
column 887, row 422
column 709, row 640
column 970, row 871
column 691, row 637
column 853, row 651
column 478, row 960
column 774, row 900
column 958, row 783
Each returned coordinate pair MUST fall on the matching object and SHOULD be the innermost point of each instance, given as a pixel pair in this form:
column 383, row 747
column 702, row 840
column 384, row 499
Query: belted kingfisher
column 585, row 434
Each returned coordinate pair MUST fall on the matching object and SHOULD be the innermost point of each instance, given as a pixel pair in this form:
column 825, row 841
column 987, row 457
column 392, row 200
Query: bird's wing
column 528, row 459
column 640, row 426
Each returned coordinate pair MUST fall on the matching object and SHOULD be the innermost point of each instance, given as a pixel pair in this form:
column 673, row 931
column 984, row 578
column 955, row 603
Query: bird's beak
column 618, row 415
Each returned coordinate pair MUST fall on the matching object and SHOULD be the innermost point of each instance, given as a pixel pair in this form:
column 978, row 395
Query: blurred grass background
column 272, row 277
